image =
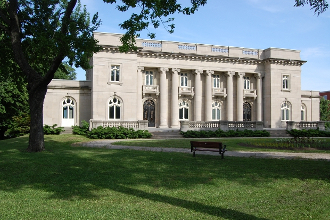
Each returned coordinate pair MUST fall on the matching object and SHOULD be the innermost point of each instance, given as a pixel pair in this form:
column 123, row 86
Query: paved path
column 108, row 144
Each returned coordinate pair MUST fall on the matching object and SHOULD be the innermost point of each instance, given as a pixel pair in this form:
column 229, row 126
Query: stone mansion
column 168, row 84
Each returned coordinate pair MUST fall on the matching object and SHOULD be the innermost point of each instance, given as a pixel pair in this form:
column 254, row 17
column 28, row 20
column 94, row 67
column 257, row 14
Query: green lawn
column 69, row 182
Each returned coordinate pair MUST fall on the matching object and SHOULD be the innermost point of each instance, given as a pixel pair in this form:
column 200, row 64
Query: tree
column 319, row 6
column 44, row 32
column 65, row 71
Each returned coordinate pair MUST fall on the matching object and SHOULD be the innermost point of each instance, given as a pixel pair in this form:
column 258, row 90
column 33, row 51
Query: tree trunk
column 36, row 103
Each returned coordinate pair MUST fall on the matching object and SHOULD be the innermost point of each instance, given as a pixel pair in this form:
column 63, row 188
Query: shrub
column 308, row 133
column 19, row 126
column 221, row 133
column 51, row 130
column 81, row 130
column 117, row 133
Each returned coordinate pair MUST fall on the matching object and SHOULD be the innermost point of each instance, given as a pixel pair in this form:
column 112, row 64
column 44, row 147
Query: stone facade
column 168, row 82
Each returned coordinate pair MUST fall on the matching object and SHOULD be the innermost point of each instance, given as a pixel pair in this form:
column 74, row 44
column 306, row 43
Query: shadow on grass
column 71, row 173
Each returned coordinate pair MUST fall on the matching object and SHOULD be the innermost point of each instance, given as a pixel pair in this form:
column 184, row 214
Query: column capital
column 209, row 72
column 257, row 75
column 230, row 73
column 198, row 71
column 240, row 74
column 140, row 68
column 175, row 70
column 162, row 69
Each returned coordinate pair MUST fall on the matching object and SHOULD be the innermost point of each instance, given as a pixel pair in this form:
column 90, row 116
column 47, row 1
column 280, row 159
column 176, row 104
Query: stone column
column 198, row 96
column 259, row 96
column 139, row 110
column 208, row 96
column 175, row 98
column 240, row 96
column 163, row 98
column 230, row 96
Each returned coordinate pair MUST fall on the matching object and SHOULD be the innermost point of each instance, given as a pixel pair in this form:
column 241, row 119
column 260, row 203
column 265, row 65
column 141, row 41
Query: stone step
column 68, row 130
column 166, row 135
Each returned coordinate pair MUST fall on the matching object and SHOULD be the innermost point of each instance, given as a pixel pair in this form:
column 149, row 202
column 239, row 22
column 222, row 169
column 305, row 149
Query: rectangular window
column 285, row 82
column 115, row 73
column 184, row 79
column 180, row 113
column 246, row 82
column 149, row 78
column 216, row 81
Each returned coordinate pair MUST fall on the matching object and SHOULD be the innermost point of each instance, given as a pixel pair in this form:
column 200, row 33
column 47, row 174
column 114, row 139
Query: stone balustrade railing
column 305, row 125
column 136, row 125
column 223, row 125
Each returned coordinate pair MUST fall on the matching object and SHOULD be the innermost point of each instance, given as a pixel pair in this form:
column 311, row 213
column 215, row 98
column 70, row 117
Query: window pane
column 213, row 114
column 117, row 112
column 218, row 114
column 151, row 79
column 70, row 112
column 111, row 112
column 117, row 75
column 186, row 81
column 65, row 112
column 147, row 79
column 287, row 114
column 185, row 113
column 282, row 114
column 180, row 113
column 112, row 75
column 302, row 115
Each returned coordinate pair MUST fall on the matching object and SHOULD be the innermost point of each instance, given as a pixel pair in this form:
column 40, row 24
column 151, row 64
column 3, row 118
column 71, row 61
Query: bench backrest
column 206, row 144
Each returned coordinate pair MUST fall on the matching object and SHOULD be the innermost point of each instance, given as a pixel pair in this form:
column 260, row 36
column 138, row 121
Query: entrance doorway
column 149, row 112
column 246, row 111
column 68, row 112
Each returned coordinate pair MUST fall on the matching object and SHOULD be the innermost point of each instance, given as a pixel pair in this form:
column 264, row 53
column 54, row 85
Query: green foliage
column 221, row 133
column 308, row 133
column 20, row 125
column 325, row 111
column 51, row 130
column 65, row 71
column 319, row 6
column 81, row 130
column 117, row 133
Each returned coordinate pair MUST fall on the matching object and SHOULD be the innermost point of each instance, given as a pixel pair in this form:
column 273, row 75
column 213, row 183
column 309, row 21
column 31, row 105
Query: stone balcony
column 150, row 89
column 186, row 91
column 250, row 93
column 219, row 92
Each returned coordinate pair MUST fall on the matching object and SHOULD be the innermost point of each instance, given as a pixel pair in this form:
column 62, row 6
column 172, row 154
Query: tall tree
column 319, row 6
column 43, row 32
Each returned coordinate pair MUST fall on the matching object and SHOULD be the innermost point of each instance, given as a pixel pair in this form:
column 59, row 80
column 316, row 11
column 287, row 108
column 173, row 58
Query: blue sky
column 256, row 24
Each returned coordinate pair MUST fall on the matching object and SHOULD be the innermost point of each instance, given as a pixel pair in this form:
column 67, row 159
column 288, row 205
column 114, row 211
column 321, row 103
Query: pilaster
column 208, row 95
column 139, row 110
column 230, row 96
column 198, row 96
column 174, row 98
column 163, row 110
column 240, row 96
column 259, row 96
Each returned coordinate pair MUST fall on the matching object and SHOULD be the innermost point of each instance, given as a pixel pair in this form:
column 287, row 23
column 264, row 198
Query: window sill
column 286, row 90
column 114, row 83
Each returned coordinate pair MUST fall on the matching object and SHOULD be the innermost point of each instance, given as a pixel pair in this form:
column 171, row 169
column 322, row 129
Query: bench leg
column 193, row 153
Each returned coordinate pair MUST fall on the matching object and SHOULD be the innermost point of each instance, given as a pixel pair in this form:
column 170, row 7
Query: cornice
column 205, row 58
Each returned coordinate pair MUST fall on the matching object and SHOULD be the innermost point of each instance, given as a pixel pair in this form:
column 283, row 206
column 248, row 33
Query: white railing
column 186, row 91
column 150, row 89
column 305, row 125
column 223, row 125
column 250, row 93
column 219, row 92
column 136, row 125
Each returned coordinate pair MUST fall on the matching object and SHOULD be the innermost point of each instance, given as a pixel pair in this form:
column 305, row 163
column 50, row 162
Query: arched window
column 246, row 111
column 216, row 110
column 114, row 108
column 303, row 112
column 183, row 110
column 286, row 111
column 68, row 108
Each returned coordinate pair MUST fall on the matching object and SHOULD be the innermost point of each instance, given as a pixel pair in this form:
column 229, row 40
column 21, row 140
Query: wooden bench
column 207, row 146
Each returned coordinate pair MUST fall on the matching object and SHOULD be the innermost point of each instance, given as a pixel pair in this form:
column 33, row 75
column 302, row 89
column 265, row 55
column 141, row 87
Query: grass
column 69, row 182
column 233, row 144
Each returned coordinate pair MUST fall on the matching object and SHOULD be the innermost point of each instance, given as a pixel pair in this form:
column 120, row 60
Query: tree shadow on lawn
column 71, row 173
